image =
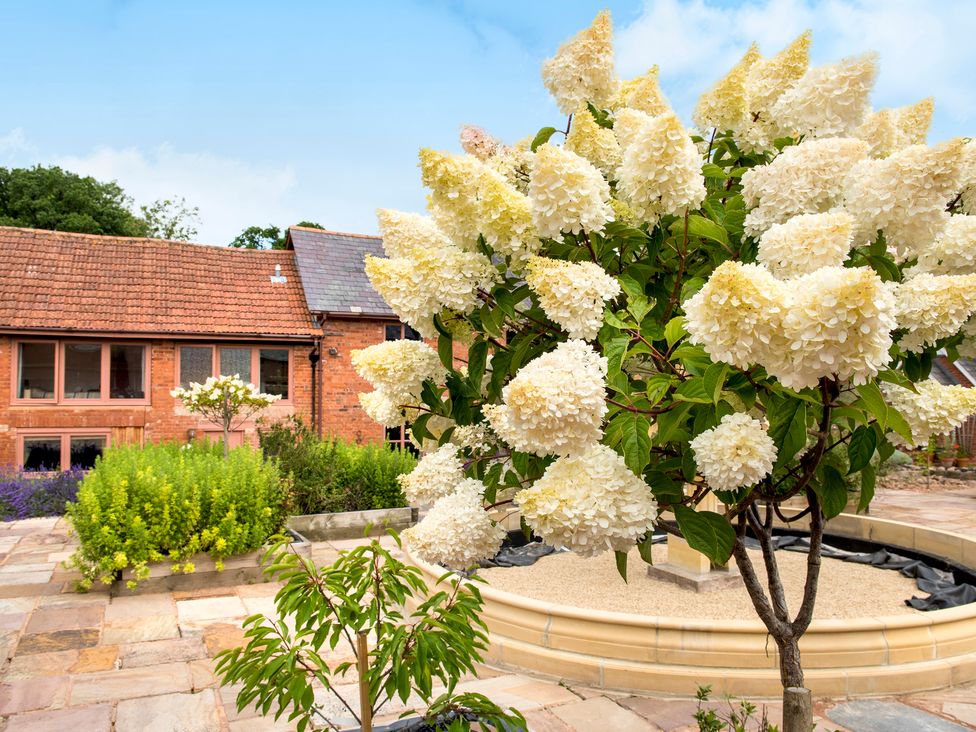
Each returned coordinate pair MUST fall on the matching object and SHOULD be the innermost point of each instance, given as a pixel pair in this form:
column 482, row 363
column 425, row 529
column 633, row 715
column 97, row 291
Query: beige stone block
column 80, row 719
column 956, row 637
column 969, row 554
column 137, row 629
column 892, row 533
column 939, row 544
column 602, row 639
column 963, row 670
column 652, row 678
column 108, row 686
column 884, row 680
column 840, row 649
column 826, row 682
column 510, row 621
column 547, row 662
column 910, row 644
column 139, row 606
column 168, row 712
column 601, row 713
column 210, row 608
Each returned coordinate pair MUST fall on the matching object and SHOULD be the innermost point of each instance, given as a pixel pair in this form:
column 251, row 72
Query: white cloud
column 14, row 145
column 230, row 193
column 925, row 47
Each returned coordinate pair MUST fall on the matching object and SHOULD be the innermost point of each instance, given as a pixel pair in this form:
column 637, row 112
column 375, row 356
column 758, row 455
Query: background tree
column 266, row 237
column 171, row 218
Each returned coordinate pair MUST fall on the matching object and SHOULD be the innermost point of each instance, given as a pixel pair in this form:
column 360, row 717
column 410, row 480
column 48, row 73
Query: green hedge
column 169, row 501
column 330, row 475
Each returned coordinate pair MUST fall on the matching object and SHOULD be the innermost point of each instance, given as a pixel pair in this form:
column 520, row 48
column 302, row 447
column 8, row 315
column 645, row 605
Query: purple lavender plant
column 27, row 494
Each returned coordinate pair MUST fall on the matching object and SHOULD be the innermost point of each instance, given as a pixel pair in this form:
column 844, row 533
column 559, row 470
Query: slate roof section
column 331, row 265
column 54, row 280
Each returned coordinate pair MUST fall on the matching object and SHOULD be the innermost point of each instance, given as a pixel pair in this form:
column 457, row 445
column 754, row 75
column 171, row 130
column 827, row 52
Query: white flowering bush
column 227, row 401
column 654, row 314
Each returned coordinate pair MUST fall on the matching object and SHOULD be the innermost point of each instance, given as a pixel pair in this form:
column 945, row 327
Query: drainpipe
column 315, row 357
column 321, row 386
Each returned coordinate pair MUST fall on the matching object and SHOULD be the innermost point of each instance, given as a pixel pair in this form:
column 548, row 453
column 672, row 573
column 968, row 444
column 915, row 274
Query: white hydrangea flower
column 642, row 93
column 436, row 475
column 400, row 365
column 419, row 285
column 514, row 164
column 453, row 201
column 457, row 531
column 805, row 178
column 735, row 454
column 890, row 130
column 828, row 101
column 504, row 217
column 661, row 170
column 627, row 124
column 806, row 242
column 589, row 503
column 838, row 322
column 383, row 408
column 582, row 69
column 736, row 316
column 555, row 403
column 402, row 231
column 953, row 251
column 595, row 143
column 568, row 194
column 726, row 105
column 476, row 141
column 967, row 349
column 935, row 410
column 967, row 178
column 572, row 293
column 931, row 307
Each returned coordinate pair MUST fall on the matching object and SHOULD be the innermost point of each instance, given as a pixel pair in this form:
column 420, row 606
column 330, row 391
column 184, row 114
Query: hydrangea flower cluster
column 931, row 307
column 504, row 217
column 568, row 194
column 890, row 130
column 582, row 69
column 402, row 232
column 453, row 181
column 457, row 531
column 595, row 143
column 436, row 475
column 738, row 452
column 806, row 243
column 589, row 503
column 936, row 409
column 476, row 141
column 397, row 371
column 954, row 250
column 572, row 293
column 642, row 94
column 726, row 105
column 555, row 404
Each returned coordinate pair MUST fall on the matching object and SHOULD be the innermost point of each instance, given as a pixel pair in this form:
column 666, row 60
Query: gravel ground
column 846, row 590
column 912, row 478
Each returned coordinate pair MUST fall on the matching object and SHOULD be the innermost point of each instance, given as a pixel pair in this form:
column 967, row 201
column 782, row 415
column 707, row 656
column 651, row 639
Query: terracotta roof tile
column 65, row 281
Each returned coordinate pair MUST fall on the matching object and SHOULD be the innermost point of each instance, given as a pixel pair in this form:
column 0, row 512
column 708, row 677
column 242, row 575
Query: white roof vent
column 278, row 278
column 355, row 309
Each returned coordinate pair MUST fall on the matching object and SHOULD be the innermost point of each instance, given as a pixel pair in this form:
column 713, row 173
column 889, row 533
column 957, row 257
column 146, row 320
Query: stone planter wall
column 352, row 524
column 859, row 657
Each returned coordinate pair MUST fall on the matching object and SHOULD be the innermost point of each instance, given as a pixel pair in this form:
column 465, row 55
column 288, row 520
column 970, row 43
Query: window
column 69, row 371
column 397, row 439
column 268, row 368
column 62, row 450
column 402, row 331
column 35, row 370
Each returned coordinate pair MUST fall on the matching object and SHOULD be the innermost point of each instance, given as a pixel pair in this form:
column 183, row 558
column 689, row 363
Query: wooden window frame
column 64, row 434
column 255, row 362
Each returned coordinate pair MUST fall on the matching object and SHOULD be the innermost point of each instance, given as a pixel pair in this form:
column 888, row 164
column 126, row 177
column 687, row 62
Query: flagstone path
column 142, row 663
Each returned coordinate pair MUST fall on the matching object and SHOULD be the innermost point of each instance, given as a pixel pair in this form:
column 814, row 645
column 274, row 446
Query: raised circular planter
column 849, row 657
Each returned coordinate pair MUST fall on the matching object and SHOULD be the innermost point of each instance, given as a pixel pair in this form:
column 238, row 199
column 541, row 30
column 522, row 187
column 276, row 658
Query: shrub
column 24, row 494
column 170, row 501
column 331, row 475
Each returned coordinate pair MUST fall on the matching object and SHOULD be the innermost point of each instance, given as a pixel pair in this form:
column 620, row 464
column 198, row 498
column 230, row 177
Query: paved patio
column 93, row 663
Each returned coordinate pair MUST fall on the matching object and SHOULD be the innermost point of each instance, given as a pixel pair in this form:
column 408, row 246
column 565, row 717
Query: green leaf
column 868, row 478
column 635, row 440
column 645, row 547
column 477, row 359
column 897, row 423
column 711, row 170
column 693, row 390
column 898, row 378
column 621, row 558
column 613, row 319
column 707, row 532
column 788, row 428
column 542, row 137
column 701, row 227
column 714, row 380
column 657, row 386
column 832, row 491
column 670, row 425
column 874, row 402
column 861, row 448
column 599, row 116
column 674, row 330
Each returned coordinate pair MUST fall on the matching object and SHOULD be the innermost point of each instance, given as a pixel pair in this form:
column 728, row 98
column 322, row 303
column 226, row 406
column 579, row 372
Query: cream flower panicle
column 572, row 294
column 582, row 69
column 735, row 454
column 828, row 101
column 398, row 365
column 931, row 307
column 805, row 178
column 382, row 407
column 476, row 141
column 726, row 105
column 806, row 242
column 568, row 194
column 436, row 475
column 967, row 178
column 627, row 124
column 905, row 195
column 595, row 143
column 453, row 181
column 457, row 531
column 967, row 349
column 736, row 316
column 661, row 170
column 954, row 249
column 402, row 231
column 935, row 410
column 504, row 218
column 643, row 94
column 766, row 81
column 589, row 503
column 555, row 404
column 890, row 130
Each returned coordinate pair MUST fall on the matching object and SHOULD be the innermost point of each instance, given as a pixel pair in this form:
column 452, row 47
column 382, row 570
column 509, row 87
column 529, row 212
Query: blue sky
column 261, row 112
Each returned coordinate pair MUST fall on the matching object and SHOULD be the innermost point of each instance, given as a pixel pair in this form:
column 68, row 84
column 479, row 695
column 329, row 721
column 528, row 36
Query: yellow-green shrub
column 168, row 502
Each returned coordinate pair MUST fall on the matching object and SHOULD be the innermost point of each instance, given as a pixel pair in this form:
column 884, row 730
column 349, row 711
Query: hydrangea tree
column 226, row 401
column 653, row 313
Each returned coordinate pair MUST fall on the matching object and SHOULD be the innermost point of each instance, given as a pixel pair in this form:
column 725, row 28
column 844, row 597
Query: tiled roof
column 64, row 281
column 331, row 267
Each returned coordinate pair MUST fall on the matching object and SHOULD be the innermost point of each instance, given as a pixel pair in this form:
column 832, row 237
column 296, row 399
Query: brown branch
column 682, row 254
column 764, row 532
column 805, row 614
column 760, row 602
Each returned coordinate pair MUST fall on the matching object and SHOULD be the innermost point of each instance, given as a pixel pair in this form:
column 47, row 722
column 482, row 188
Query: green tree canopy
column 266, row 237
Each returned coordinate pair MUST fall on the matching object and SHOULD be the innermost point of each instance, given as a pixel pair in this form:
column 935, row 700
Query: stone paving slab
column 883, row 716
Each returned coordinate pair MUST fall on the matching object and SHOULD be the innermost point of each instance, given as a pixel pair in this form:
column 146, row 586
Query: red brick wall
column 163, row 419
column 341, row 385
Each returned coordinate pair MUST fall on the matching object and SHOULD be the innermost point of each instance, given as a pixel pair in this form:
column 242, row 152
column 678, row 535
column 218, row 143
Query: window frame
column 255, row 362
column 65, row 435
column 105, row 376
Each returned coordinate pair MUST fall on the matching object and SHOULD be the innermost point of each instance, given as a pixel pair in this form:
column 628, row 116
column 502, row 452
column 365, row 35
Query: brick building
column 95, row 331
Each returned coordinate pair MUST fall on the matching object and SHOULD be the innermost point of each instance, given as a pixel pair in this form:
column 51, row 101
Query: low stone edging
column 352, row 524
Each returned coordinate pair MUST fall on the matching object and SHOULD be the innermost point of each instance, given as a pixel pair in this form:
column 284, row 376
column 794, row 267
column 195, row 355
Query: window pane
column 274, row 371
column 393, row 332
column 84, row 450
column 35, row 371
column 126, row 372
column 83, row 371
column 410, row 334
column 236, row 361
column 196, row 364
column 42, row 453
